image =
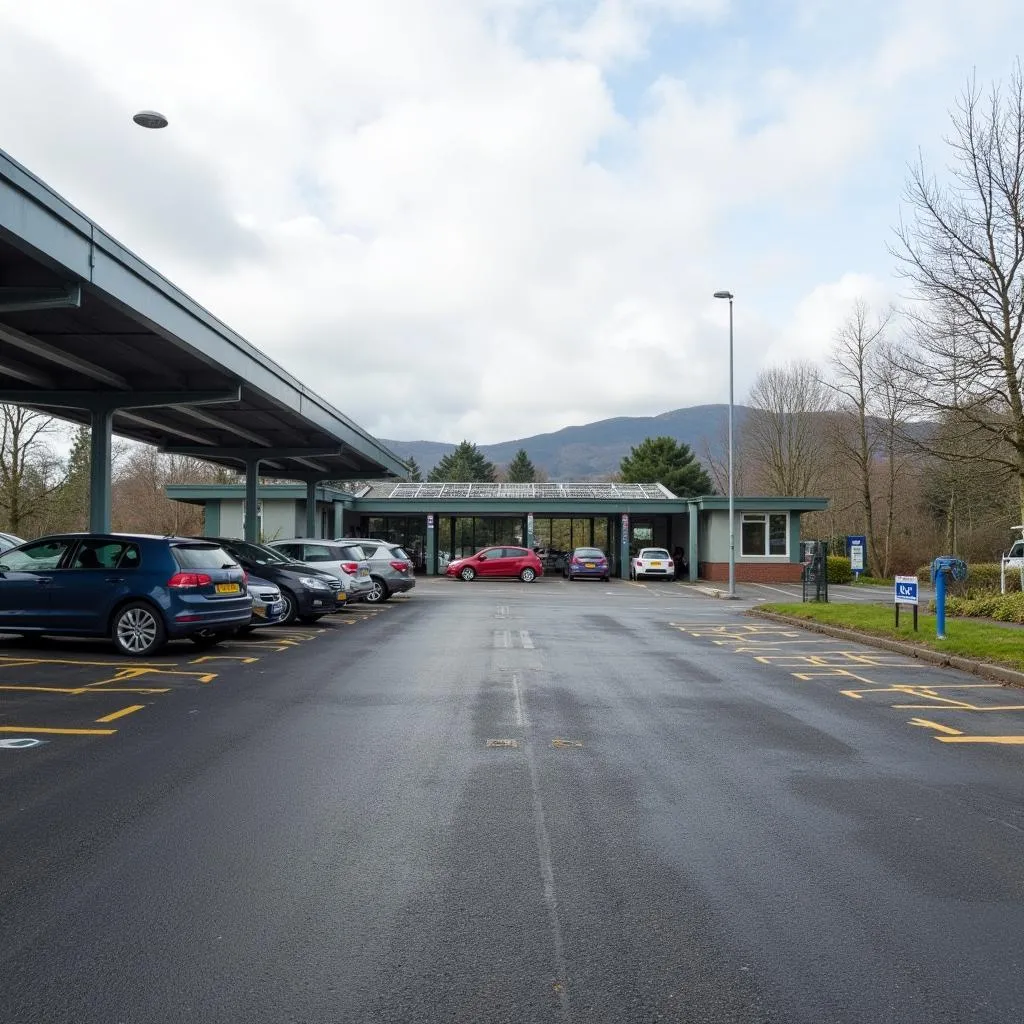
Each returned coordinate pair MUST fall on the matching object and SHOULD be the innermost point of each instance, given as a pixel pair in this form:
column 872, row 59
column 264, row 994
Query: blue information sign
column 906, row 590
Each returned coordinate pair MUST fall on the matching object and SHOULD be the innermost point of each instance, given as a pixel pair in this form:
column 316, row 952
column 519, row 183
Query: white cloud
column 811, row 331
column 439, row 215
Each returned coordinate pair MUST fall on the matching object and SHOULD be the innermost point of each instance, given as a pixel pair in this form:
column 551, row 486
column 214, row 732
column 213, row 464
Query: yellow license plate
column 342, row 596
column 655, row 564
column 228, row 588
column 589, row 565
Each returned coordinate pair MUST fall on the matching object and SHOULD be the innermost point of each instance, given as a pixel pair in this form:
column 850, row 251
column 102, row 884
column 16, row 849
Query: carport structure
column 91, row 333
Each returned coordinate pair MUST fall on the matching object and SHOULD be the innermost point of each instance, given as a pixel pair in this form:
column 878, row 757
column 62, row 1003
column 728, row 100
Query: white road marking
column 525, row 639
column 520, row 711
column 547, row 870
column 778, row 590
column 502, row 638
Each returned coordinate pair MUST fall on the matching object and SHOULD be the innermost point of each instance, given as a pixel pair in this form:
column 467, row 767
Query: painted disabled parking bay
column 955, row 708
column 60, row 691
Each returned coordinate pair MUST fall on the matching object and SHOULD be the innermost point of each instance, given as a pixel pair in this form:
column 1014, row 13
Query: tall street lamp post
column 732, row 510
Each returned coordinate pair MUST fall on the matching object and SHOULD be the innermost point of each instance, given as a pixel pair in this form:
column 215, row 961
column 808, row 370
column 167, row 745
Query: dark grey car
column 391, row 569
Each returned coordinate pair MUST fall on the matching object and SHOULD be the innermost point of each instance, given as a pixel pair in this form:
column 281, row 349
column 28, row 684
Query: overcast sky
column 487, row 219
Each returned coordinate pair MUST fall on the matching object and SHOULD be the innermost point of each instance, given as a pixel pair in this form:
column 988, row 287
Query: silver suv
column 341, row 560
column 391, row 570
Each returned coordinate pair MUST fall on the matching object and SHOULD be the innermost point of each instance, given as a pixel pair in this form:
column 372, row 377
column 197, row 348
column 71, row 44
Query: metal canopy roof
column 82, row 320
column 599, row 491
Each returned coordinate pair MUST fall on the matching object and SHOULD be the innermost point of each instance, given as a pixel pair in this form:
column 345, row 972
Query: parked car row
column 513, row 561
column 141, row 590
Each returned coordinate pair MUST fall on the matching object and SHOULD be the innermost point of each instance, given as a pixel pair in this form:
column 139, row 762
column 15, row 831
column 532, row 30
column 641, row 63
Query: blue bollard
column 940, row 604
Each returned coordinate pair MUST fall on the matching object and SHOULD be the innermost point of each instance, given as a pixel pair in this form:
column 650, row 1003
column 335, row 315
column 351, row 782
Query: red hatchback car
column 494, row 562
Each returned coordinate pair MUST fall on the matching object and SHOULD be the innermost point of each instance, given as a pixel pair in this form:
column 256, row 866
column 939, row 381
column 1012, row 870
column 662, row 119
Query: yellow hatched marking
column 925, row 724
column 115, row 715
column 57, row 732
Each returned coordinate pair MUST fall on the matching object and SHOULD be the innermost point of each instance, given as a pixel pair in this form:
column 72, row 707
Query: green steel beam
column 96, row 401
column 243, row 454
column 22, row 300
column 64, row 359
column 101, row 422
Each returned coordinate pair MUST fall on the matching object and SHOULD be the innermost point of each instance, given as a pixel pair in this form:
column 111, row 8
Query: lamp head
column 723, row 295
column 150, row 119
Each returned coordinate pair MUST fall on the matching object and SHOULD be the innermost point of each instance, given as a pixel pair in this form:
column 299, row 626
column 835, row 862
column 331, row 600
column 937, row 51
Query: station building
column 439, row 522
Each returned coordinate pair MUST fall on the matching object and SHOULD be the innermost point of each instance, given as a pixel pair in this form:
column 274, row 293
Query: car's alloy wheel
column 378, row 591
column 528, row 575
column 468, row 574
column 138, row 630
column 290, row 608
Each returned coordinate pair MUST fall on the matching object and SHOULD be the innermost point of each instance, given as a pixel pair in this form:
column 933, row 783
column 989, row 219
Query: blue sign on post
column 905, row 592
column 855, row 548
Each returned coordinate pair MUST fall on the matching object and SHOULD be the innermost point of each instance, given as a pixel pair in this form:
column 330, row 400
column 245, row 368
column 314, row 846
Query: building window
column 764, row 533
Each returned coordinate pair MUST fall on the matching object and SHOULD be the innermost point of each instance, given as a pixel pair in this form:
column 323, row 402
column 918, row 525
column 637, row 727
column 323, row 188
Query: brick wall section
column 752, row 572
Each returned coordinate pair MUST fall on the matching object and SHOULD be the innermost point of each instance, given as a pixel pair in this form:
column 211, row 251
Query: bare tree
column 892, row 388
column 29, row 469
column 855, row 372
column 963, row 247
column 782, row 432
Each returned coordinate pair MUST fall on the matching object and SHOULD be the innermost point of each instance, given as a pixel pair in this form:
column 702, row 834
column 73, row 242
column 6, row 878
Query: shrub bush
column 839, row 570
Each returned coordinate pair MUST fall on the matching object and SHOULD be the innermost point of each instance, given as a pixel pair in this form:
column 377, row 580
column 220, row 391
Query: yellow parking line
column 223, row 657
column 120, row 714
column 61, row 732
column 6, row 662
column 1011, row 740
column 925, row 724
column 48, row 689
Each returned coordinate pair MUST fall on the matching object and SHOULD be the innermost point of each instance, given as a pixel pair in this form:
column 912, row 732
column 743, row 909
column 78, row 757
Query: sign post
column 906, row 593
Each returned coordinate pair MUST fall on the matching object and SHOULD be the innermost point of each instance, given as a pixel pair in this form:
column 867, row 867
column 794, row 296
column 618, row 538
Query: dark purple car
column 586, row 563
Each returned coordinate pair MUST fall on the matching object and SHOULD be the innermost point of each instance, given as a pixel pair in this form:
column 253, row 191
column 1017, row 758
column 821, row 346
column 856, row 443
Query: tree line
column 915, row 427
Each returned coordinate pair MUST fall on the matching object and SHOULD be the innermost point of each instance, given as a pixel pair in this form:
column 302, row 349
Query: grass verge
column 984, row 641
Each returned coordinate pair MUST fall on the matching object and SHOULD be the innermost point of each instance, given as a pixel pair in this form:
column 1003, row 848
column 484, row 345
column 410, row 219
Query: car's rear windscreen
column 201, row 556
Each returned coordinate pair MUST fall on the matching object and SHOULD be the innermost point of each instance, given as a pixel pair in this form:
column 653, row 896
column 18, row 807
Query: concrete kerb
column 1007, row 676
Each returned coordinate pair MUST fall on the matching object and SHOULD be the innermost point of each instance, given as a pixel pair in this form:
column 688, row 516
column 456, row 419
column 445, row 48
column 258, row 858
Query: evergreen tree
column 521, row 469
column 71, row 499
column 415, row 473
column 666, row 461
column 467, row 464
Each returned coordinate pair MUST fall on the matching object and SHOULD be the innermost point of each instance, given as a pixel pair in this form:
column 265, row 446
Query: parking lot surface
column 506, row 802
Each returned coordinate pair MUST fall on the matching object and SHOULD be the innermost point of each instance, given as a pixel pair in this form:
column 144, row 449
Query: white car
column 653, row 563
column 1012, row 564
column 343, row 561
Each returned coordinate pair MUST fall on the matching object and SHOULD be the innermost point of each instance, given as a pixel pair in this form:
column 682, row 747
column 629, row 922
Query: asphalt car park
column 637, row 782
column 67, row 690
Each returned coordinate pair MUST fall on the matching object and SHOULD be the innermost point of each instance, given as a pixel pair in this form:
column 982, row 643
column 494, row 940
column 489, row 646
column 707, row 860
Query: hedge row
column 982, row 579
column 1008, row 608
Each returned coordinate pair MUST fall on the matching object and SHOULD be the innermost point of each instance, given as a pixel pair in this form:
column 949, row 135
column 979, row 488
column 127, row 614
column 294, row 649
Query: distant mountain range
column 593, row 449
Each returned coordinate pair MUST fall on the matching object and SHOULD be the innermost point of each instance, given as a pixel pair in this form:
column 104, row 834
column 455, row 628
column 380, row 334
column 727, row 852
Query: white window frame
column 763, row 518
